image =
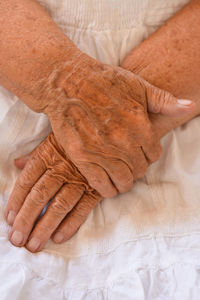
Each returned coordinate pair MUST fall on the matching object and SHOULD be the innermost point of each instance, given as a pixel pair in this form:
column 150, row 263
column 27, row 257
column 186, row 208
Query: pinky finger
column 76, row 217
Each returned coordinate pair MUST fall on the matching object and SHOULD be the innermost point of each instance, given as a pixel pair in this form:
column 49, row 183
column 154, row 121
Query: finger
column 33, row 170
column 152, row 152
column 160, row 101
column 150, row 145
column 149, row 142
column 120, row 174
column 138, row 166
column 63, row 203
column 139, row 163
column 76, row 217
column 98, row 179
column 46, row 187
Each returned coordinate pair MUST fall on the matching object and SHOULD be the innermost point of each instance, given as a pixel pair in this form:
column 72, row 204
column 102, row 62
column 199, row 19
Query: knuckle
column 125, row 176
column 43, row 187
column 96, row 183
column 24, row 219
column 81, row 212
column 163, row 100
column 126, row 186
column 109, row 194
column 54, row 176
column 61, row 206
column 84, row 207
column 99, row 183
column 37, row 196
column 94, row 197
column 157, row 104
column 23, row 183
column 45, row 228
column 105, row 190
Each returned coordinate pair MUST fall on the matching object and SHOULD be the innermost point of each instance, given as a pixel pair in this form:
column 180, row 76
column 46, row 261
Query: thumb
column 21, row 161
column 160, row 101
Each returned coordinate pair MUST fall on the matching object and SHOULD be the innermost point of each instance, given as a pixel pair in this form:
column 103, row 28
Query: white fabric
column 141, row 245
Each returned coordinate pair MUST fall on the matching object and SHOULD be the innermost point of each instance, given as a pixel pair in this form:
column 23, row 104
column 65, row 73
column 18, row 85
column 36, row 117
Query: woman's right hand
column 99, row 115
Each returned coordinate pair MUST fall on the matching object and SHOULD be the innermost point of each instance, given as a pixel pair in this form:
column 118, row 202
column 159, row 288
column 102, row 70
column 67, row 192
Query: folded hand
column 100, row 119
column 48, row 174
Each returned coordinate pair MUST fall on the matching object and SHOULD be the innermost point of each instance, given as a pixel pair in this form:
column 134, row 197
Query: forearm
column 32, row 47
column 170, row 59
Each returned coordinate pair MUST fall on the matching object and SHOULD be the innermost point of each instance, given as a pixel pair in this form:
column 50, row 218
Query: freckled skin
column 98, row 112
column 175, row 71
column 154, row 69
column 96, row 116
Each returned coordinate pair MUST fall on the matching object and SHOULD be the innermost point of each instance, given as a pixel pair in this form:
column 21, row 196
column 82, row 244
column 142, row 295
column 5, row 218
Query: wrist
column 67, row 81
column 47, row 88
column 170, row 60
column 140, row 62
column 32, row 47
column 37, row 86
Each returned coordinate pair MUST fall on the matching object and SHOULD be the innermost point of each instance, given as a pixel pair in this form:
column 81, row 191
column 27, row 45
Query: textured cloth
column 144, row 244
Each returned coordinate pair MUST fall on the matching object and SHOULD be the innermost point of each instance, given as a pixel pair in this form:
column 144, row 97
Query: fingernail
column 17, row 238
column 11, row 217
column 58, row 237
column 33, row 244
column 184, row 102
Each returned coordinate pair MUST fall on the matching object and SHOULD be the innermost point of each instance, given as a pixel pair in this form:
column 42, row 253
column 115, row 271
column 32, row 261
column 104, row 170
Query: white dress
column 141, row 245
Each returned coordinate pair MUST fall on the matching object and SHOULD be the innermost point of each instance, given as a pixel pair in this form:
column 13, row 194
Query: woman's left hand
column 48, row 174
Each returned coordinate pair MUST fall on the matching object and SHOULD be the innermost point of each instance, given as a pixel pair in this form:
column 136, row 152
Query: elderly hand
column 48, row 173
column 102, row 111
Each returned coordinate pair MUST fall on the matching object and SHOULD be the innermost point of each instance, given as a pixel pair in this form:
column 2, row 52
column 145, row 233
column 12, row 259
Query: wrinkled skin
column 55, row 78
column 49, row 168
column 102, row 111
column 49, row 173
column 106, row 136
